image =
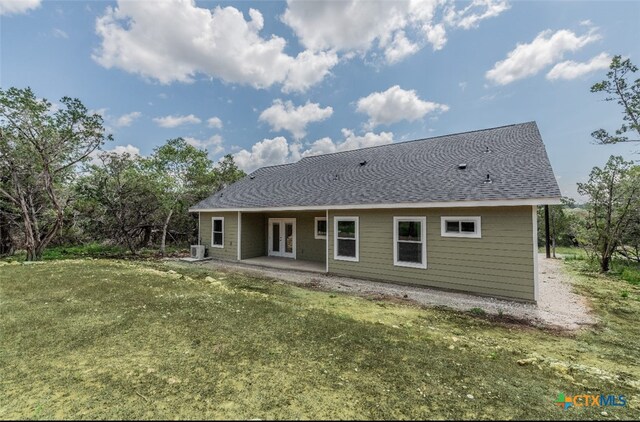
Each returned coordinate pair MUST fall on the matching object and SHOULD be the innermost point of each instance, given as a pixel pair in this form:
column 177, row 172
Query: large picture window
column 217, row 232
column 460, row 227
column 346, row 244
column 410, row 242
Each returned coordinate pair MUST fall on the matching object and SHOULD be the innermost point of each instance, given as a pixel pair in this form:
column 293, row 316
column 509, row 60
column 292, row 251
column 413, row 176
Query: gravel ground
column 558, row 305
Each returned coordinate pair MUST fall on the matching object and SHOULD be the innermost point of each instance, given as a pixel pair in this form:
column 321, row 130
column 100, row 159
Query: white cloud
column 572, row 70
column 529, row 59
column 112, row 122
column 127, row 119
column 214, row 122
column 396, row 104
column 398, row 29
column 175, row 40
column 9, row 7
column 59, row 33
column 213, row 144
column 309, row 69
column 436, row 35
column 285, row 116
column 119, row 150
column 351, row 141
column 400, row 48
column 268, row 152
column 478, row 10
column 175, row 121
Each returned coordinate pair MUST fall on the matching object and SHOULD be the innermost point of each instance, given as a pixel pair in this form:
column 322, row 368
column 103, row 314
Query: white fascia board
column 442, row 204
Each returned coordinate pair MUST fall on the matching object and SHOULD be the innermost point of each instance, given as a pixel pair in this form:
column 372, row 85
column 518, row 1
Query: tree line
column 608, row 223
column 57, row 186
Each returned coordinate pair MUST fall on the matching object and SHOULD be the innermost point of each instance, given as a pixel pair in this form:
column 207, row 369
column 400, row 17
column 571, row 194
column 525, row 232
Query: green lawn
column 98, row 339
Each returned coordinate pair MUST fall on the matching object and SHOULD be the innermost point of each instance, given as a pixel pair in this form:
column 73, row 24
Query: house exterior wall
column 230, row 250
column 500, row 263
column 254, row 235
column 308, row 248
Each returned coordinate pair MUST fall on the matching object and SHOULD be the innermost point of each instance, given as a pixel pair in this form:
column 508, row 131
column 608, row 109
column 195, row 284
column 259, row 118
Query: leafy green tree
column 227, row 172
column 186, row 173
column 614, row 194
column 40, row 147
column 121, row 199
column 630, row 245
column 620, row 88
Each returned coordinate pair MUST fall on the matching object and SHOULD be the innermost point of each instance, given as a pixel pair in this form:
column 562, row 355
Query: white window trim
column 337, row 257
column 315, row 227
column 423, row 237
column 478, row 224
column 212, row 225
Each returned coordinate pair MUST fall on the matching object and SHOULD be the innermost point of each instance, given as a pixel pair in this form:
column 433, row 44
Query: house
column 455, row 212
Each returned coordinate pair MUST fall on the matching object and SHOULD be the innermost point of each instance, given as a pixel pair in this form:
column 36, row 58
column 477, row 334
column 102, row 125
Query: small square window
column 320, row 228
column 467, row 227
column 460, row 227
column 453, row 226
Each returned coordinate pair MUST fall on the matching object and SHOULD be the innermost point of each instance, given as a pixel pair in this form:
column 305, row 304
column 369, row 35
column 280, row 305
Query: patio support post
column 326, row 241
column 547, row 242
column 239, row 236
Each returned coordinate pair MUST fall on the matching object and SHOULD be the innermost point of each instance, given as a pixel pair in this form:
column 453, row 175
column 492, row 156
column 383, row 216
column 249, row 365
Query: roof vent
column 462, row 166
column 336, row 177
column 252, row 177
column 486, row 149
column 363, row 163
column 488, row 179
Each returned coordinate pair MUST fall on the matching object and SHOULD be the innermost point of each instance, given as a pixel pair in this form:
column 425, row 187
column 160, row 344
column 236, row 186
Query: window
column 410, row 242
column 460, row 227
column 320, row 228
column 217, row 232
column 346, row 243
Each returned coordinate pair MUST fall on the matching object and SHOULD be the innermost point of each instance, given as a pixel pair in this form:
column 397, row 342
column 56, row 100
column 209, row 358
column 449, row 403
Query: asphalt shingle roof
column 418, row 171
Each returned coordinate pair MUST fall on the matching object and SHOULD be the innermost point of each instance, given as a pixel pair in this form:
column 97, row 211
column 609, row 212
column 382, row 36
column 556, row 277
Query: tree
column 184, row 171
column 121, row 198
column 627, row 94
column 630, row 245
column 227, row 172
column 40, row 146
column 560, row 228
column 614, row 194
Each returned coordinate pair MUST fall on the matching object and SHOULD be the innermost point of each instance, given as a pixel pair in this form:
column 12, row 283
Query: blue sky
column 271, row 82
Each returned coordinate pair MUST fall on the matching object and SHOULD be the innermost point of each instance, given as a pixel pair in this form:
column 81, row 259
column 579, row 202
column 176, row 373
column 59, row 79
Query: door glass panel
column 275, row 242
column 288, row 228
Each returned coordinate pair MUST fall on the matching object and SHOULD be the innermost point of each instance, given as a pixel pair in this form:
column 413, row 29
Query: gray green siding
column 230, row 250
column 308, row 248
column 498, row 264
column 253, row 235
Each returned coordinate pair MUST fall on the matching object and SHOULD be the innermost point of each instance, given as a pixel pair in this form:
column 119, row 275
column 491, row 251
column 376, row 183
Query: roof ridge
column 413, row 140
